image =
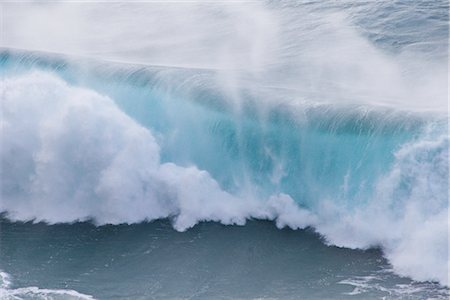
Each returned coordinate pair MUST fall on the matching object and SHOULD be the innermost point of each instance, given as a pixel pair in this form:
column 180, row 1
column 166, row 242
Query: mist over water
column 370, row 52
column 313, row 114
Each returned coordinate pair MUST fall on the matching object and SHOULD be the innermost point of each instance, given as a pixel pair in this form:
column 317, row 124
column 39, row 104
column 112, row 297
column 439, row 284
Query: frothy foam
column 32, row 292
column 365, row 284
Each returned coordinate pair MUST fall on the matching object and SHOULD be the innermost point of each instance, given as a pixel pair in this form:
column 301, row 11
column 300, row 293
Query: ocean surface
column 224, row 150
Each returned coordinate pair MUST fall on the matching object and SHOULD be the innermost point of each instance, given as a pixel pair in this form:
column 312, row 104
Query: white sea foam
column 363, row 285
column 5, row 280
column 32, row 292
column 70, row 154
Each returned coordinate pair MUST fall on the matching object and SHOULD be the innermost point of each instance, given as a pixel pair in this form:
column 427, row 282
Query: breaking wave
column 361, row 178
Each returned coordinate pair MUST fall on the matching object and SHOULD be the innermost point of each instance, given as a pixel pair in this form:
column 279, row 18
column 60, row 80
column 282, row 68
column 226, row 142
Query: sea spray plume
column 322, row 51
column 189, row 34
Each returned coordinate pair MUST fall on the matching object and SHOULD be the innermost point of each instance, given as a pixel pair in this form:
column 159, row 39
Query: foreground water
column 209, row 261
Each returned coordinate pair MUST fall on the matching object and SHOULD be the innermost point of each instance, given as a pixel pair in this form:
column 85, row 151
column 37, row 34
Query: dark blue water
column 153, row 261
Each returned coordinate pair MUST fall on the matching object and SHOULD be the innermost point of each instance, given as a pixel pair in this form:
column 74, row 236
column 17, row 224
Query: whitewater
column 330, row 117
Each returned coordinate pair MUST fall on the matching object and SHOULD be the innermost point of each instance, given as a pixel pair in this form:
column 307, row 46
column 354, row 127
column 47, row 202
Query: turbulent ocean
column 224, row 149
